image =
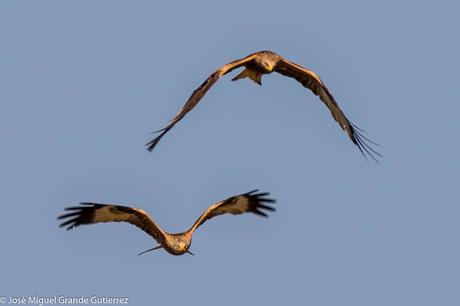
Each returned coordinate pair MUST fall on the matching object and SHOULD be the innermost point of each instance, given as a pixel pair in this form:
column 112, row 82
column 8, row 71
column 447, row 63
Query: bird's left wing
column 253, row 201
column 311, row 80
column 90, row 213
column 197, row 95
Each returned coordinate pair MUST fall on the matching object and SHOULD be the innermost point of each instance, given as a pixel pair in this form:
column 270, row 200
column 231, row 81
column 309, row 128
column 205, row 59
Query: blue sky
column 83, row 83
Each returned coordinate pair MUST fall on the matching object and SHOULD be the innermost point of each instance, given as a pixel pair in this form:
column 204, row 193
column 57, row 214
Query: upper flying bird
column 175, row 244
column 264, row 62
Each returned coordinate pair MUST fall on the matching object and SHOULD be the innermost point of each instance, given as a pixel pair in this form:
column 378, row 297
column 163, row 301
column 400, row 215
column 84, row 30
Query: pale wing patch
column 240, row 206
column 252, row 201
column 109, row 214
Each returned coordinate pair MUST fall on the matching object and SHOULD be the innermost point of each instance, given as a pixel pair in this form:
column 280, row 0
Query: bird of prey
column 176, row 244
column 265, row 62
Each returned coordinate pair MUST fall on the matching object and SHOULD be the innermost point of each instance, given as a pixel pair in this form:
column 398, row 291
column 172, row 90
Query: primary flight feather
column 265, row 62
column 175, row 244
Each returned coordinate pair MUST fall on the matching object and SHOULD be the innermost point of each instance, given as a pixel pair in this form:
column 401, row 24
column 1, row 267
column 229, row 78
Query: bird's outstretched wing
column 253, row 201
column 89, row 213
column 197, row 95
column 311, row 80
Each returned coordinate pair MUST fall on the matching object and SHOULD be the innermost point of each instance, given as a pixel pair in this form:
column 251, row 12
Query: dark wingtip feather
column 263, row 206
column 78, row 215
column 363, row 143
column 72, row 208
column 70, row 222
column 151, row 144
column 64, row 216
column 258, row 201
column 260, row 213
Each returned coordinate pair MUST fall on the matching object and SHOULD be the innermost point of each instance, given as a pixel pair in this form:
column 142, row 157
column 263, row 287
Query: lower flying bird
column 265, row 62
column 175, row 244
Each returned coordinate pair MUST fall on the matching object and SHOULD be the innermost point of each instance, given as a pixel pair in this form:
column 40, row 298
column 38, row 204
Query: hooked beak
column 155, row 248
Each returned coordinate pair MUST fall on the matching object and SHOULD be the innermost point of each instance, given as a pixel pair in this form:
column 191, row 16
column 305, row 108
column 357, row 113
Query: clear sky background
column 83, row 83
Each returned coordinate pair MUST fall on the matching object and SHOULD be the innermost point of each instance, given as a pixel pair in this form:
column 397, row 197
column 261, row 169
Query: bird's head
column 266, row 61
column 182, row 247
column 266, row 65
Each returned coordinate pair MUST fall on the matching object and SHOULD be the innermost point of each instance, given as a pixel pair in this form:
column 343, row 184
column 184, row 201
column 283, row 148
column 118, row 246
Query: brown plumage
column 265, row 62
column 175, row 244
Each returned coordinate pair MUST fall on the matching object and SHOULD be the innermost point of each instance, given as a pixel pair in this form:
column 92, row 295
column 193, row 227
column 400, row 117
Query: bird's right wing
column 311, row 80
column 253, row 201
column 197, row 95
column 90, row 213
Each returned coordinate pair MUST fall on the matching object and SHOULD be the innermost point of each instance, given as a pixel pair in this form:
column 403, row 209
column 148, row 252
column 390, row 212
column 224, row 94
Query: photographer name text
column 61, row 299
